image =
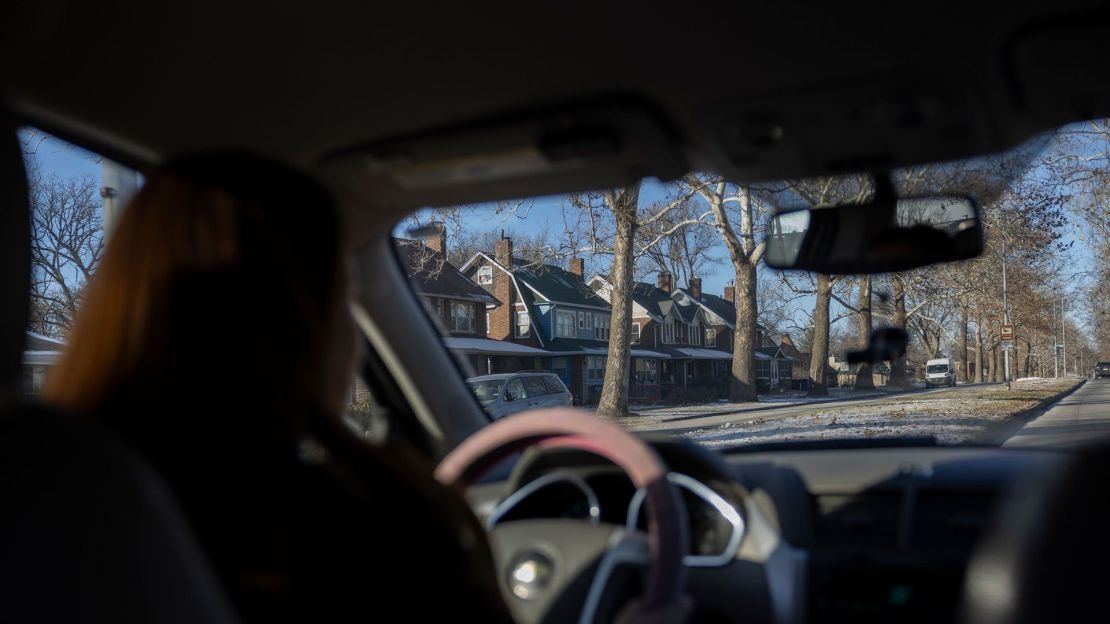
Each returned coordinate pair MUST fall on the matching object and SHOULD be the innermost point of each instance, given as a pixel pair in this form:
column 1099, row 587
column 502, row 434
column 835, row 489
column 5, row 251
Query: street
column 1080, row 418
column 966, row 414
column 686, row 419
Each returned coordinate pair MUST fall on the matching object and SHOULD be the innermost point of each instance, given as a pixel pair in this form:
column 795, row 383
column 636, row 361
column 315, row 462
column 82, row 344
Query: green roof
column 557, row 284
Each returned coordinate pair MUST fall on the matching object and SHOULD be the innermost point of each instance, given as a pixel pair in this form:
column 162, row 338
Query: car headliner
column 718, row 81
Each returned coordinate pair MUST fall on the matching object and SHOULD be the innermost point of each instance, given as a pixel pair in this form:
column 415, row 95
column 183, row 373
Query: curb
column 999, row 433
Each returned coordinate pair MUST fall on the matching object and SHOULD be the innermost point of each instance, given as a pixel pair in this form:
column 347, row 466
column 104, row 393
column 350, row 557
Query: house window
column 522, row 324
column 485, row 274
column 595, row 368
column 462, row 317
column 710, row 337
column 763, row 369
column 559, row 367
column 668, row 333
column 645, row 372
column 438, row 304
column 564, row 324
column 589, row 321
column 694, row 332
column 581, row 320
column 634, row 331
column 601, row 327
column 487, row 323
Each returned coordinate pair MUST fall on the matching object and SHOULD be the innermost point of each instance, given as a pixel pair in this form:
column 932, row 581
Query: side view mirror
column 878, row 237
column 885, row 344
column 509, row 396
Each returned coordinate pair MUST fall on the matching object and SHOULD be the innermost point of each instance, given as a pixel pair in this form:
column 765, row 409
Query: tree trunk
column 898, row 375
column 614, row 391
column 961, row 335
column 1028, row 368
column 980, row 356
column 864, row 379
column 819, row 354
column 743, row 386
column 995, row 376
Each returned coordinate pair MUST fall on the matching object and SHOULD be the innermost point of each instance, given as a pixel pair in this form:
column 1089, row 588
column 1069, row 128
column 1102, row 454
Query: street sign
column 1006, row 331
column 1007, row 345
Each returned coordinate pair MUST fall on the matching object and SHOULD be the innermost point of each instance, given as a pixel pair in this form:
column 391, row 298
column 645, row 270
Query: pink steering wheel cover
column 571, row 428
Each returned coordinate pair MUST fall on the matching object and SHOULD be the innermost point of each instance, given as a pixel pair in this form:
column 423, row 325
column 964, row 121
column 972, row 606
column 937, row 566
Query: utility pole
column 1064, row 333
column 1055, row 343
column 1005, row 309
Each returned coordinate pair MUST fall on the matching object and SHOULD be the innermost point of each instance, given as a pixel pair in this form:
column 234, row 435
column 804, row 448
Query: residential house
column 666, row 321
column 39, row 355
column 800, row 360
column 774, row 368
column 460, row 307
column 549, row 308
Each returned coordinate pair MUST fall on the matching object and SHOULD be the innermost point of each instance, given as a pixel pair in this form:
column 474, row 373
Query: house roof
column 774, row 352
column 557, row 285
column 486, row 346
column 561, row 346
column 434, row 276
column 38, row 342
column 650, row 298
column 717, row 305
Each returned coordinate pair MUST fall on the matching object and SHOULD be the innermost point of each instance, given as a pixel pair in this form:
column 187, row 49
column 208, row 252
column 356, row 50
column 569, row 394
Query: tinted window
column 937, row 368
column 534, row 386
column 515, row 390
column 554, row 385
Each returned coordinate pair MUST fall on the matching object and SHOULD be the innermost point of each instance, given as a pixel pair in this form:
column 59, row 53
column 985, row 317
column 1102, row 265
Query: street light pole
column 1064, row 333
column 1005, row 309
column 1055, row 343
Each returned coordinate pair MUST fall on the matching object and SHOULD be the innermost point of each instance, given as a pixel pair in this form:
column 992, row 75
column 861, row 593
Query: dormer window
column 485, row 274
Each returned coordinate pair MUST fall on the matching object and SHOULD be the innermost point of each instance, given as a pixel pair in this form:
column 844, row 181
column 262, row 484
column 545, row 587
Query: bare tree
column 734, row 209
column 66, row 245
column 612, row 223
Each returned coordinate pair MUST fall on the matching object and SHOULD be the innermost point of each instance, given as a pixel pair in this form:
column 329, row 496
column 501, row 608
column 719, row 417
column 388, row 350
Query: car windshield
column 654, row 306
column 486, row 390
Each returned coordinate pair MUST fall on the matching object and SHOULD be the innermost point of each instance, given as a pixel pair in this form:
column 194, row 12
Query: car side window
column 535, row 386
column 554, row 385
column 515, row 390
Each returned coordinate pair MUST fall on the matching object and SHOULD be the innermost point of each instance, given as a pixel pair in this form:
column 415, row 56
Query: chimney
column 695, row 288
column 666, row 282
column 578, row 267
column 502, row 317
column 503, row 251
column 730, row 292
column 436, row 239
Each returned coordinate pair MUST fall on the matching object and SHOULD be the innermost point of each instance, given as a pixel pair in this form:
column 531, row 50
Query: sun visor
column 576, row 148
column 1058, row 71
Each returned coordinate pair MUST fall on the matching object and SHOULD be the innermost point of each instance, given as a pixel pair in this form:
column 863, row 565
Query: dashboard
column 825, row 535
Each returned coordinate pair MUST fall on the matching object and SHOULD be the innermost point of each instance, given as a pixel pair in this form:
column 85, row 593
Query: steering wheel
column 544, row 566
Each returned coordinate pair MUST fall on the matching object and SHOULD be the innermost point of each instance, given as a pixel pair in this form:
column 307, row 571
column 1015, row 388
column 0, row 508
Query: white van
column 940, row 372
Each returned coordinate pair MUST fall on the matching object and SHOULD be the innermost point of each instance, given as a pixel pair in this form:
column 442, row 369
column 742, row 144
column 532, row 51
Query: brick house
column 460, row 307
column 667, row 322
column 774, row 368
column 549, row 308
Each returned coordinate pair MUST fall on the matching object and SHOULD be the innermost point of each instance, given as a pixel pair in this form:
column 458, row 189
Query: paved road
column 1081, row 417
column 693, row 422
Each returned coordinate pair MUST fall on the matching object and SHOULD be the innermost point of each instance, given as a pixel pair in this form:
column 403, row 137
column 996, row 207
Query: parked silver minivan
column 509, row 393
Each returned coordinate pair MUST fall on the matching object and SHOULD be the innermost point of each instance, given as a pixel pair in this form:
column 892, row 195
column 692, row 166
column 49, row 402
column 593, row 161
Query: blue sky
column 56, row 157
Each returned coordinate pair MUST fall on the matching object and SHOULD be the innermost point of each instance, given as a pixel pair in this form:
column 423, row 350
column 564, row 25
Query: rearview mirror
column 877, row 237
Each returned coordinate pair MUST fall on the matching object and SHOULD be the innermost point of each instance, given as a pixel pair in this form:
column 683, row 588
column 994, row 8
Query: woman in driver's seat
column 216, row 341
